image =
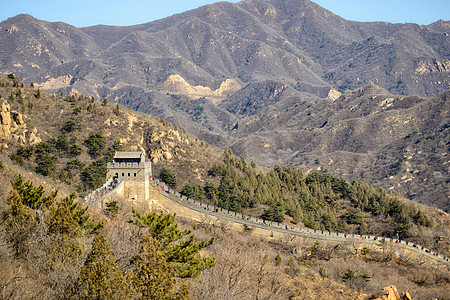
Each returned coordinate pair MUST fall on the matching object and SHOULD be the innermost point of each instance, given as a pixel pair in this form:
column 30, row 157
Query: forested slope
column 54, row 246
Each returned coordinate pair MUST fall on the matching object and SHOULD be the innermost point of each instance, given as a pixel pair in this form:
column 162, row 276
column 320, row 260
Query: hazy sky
column 129, row 12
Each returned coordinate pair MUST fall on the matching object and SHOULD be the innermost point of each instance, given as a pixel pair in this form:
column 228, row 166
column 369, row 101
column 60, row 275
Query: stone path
column 252, row 222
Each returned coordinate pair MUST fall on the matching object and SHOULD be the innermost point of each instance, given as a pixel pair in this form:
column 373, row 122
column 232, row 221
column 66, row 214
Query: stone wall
column 205, row 213
column 135, row 190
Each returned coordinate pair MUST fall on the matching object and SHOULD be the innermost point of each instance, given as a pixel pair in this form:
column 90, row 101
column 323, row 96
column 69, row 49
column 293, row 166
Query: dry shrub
column 243, row 270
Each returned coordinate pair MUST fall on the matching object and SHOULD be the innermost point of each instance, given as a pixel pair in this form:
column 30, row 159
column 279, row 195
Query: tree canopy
column 320, row 201
column 181, row 254
column 76, row 259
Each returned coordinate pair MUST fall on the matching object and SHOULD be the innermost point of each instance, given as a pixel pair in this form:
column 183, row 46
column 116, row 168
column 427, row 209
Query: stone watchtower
column 131, row 170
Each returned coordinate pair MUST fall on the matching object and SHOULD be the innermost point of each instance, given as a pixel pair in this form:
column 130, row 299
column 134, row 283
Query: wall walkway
column 201, row 211
column 97, row 197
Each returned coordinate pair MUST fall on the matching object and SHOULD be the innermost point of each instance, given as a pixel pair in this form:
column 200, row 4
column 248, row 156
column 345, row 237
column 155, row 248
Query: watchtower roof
column 129, row 156
column 123, row 154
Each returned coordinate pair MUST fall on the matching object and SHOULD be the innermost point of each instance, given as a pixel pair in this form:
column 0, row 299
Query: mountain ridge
column 212, row 18
column 260, row 45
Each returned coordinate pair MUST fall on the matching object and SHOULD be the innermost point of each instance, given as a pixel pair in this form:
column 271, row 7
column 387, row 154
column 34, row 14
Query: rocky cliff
column 13, row 128
column 391, row 293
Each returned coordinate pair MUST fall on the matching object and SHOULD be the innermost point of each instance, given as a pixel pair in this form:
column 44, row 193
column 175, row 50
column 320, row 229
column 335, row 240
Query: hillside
column 399, row 143
column 32, row 123
column 46, row 266
column 69, row 139
column 295, row 42
column 62, row 136
column 260, row 77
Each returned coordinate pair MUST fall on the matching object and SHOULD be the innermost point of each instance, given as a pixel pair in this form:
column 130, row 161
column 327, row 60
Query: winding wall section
column 176, row 203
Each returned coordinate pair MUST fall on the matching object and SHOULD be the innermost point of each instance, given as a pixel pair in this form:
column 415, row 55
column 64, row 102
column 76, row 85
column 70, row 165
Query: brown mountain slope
column 398, row 142
column 287, row 56
column 28, row 118
column 290, row 41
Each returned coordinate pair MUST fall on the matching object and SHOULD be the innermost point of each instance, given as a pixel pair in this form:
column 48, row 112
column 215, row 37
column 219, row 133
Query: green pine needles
column 319, row 201
column 71, row 252
column 182, row 254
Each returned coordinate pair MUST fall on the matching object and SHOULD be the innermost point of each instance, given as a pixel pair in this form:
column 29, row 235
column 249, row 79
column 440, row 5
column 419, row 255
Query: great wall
column 159, row 197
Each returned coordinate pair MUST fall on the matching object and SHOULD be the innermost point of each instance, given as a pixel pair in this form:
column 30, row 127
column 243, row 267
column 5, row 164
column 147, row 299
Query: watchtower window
column 123, row 174
column 128, row 174
column 134, row 174
column 127, row 160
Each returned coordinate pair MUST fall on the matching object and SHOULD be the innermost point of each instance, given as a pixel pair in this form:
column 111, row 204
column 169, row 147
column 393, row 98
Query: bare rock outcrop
column 228, row 87
column 32, row 137
column 14, row 129
column 333, row 94
column 177, row 84
column 5, row 121
column 433, row 65
column 391, row 293
column 163, row 145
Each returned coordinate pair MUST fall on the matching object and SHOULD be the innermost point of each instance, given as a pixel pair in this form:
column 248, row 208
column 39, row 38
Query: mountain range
column 277, row 81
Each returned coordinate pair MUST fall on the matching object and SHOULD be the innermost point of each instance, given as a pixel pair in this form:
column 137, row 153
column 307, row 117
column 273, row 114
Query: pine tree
column 152, row 278
column 116, row 110
column 184, row 258
column 278, row 259
column 19, row 221
column 168, row 177
column 95, row 143
column 182, row 255
column 31, row 196
column 64, row 219
column 100, row 277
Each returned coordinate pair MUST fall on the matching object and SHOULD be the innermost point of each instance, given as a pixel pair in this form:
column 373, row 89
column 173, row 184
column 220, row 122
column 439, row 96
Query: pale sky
column 84, row 13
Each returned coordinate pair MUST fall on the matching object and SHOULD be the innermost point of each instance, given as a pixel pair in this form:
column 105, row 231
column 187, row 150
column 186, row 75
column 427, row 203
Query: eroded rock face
column 18, row 118
column 391, row 293
column 13, row 128
column 333, row 94
column 33, row 139
column 164, row 144
column 5, row 121
column 228, row 87
column 5, row 113
column 176, row 83
column 432, row 65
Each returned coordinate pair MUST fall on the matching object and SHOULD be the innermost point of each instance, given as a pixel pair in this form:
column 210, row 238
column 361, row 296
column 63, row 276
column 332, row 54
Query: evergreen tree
column 278, row 259
column 31, row 196
column 151, row 277
column 95, row 143
column 100, row 277
column 168, row 177
column 19, row 221
column 69, row 126
column 314, row 199
column 112, row 208
column 116, row 110
column 181, row 254
column 193, row 192
column 61, row 221
column 67, row 217
column 94, row 174
column 62, row 143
